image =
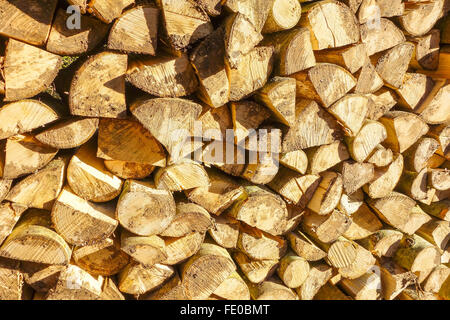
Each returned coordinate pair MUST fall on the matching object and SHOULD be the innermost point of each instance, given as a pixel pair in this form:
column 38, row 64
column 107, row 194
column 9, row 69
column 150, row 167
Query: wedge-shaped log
column 10, row 214
column 382, row 38
column 271, row 289
column 318, row 276
column 295, row 160
column 383, row 243
column 351, row 111
column 256, row 271
column 369, row 81
column 305, row 247
column 352, row 57
column 381, row 156
column 284, row 14
column 366, row 287
column 107, row 10
column 327, row 195
column 364, row 224
column 362, row 145
column 414, row 90
column 435, row 108
column 189, row 217
column 5, row 186
column 129, row 170
column 326, row 228
column 258, row 245
column 225, row 231
column 326, row 156
column 394, row 279
column 233, row 288
column 181, row 176
column 422, row 18
column 385, row 179
column 293, row 270
column 180, row 249
column 355, row 175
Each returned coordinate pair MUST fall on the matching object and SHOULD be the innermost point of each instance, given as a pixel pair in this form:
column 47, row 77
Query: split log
column 351, row 111
column 283, row 15
column 22, row 23
column 5, row 186
column 403, row 130
column 24, row 155
column 144, row 210
column 438, row 209
column 382, row 101
column 394, row 279
column 426, row 53
column 256, row 271
column 184, row 21
column 331, row 292
column 26, row 115
column 127, row 140
column 69, row 134
column 180, row 249
column 366, row 287
column 67, row 41
column 295, row 160
column 414, row 185
column 208, row 61
column 383, row 243
column 391, row 8
column 421, row 19
column 233, row 288
column 225, row 231
column 318, row 16
column 442, row 134
column 327, row 195
column 166, row 115
column 271, row 289
column 145, row 250
column 13, row 284
column 221, row 193
column 435, row 281
column 381, row 156
column 399, row 211
column 163, row 76
column 247, row 116
column 413, row 293
column 435, row 108
column 214, row 124
column 80, row 222
column 251, row 73
column 10, row 213
column 417, row 156
column 279, row 96
column 172, row 289
column 81, row 4
column 28, row 70
column 326, row 156
column 88, row 177
column 293, row 51
column 445, row 289
column 26, row 241
column 103, row 258
column 259, row 246
column 352, row 58
column 203, row 273
column 136, row 31
column 328, row 228
column 436, row 232
column 385, row 179
column 41, row 277
column 228, row 157
column 40, row 189
column 110, row 291
column 136, row 279
column 98, row 87
column 442, row 70
column 382, row 38
column 256, row 11
column 357, row 265
column 106, row 10
column 189, row 218
column 350, row 203
column 318, row 276
column 369, row 81
column 417, row 255
column 353, row 4
column 355, row 175
column 129, row 170
column 263, row 169
column 325, row 83
column 440, row 179
column 304, row 247
column 182, row 176
column 293, row 270
column 364, row 223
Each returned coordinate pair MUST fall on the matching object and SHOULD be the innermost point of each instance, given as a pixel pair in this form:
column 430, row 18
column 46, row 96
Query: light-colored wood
column 385, row 179
column 331, row 292
column 435, row 281
column 180, row 249
column 136, row 279
column 256, row 271
column 350, row 203
column 426, row 53
column 383, row 243
column 41, row 277
column 261, row 246
column 172, row 289
column 417, row 156
column 256, row 11
column 247, row 116
column 293, row 270
column 304, row 247
column 414, row 185
column 435, row 108
column 381, row 156
column 366, row 287
column 271, row 289
column 5, row 186
column 10, row 213
column 364, row 223
column 422, row 18
column 353, row 57
column 182, row 176
column 212, row 7
column 233, row 288
column 318, row 276
column 326, row 228
column 442, row 134
column 440, row 179
column 225, row 231
column 382, row 38
column 355, row 175
column 129, row 170
column 108, row 10
column 110, row 291
column 436, row 232
column 351, row 112
column 147, row 250
column 136, row 31
column 33, row 240
column 327, row 195
column 189, row 217
column 369, row 81
column 80, row 222
column 283, row 14
column 394, row 279
column 295, row 160
column 382, row 101
column 324, row 157
column 438, row 209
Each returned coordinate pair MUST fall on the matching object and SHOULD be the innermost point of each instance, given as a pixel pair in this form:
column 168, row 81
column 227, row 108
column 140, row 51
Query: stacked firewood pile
column 212, row 149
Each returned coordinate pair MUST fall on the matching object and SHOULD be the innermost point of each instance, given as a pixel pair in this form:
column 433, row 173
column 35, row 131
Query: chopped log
column 403, row 130
column 260, row 246
column 391, row 8
column 385, row 179
column 394, row 279
column 24, row 155
column 247, row 116
column 438, row 209
column 233, row 288
column 436, row 232
column 326, row 228
column 221, row 193
column 369, row 81
column 76, row 284
column 279, row 96
column 9, row 215
column 355, row 175
column 167, row 115
column 203, row 273
column 263, row 169
column 350, row 203
column 356, row 267
column 435, row 108
column 440, row 179
column 110, row 291
column 295, row 160
column 103, row 258
column 366, row 287
column 327, row 195
column 271, row 289
column 331, row 292
column 180, row 249
column 88, row 177
column 184, row 21
column 443, row 67
column 293, row 51
column 189, row 218
column 144, row 210
column 414, row 185
column 415, row 88
column 214, row 124
column 136, row 31
column 352, row 58
column 41, row 277
column 313, row 127
column 399, row 211
column 28, row 70
column 163, row 76
column 5, row 186
column 26, row 115
column 304, row 247
column 293, row 270
column 136, row 279
column 98, row 87
column 225, row 231
column 251, row 73
column 364, row 223
column 436, row 279
column 417, row 156
column 426, row 53
column 30, row 25
column 80, row 222
column 256, row 271
column 283, row 15
column 127, row 140
column 421, row 19
column 30, row 236
column 326, row 156
column 319, row 16
column 325, row 83
column 147, row 250
column 351, row 111
column 69, row 134
column 382, row 101
column 442, row 134
column 129, row 170
column 39, row 190
column 256, row 11
column 318, row 276
column 229, row 158
column 417, row 255
column 383, row 243
column 106, row 10
column 182, row 176
column 67, row 41
column 208, row 61
column 172, row 289
column 382, row 38
column 381, row 156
